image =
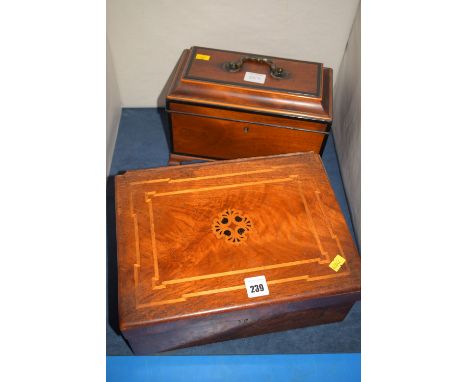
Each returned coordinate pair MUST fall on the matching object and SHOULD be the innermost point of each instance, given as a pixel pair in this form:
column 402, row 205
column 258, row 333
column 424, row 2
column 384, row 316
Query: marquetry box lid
column 252, row 83
column 188, row 237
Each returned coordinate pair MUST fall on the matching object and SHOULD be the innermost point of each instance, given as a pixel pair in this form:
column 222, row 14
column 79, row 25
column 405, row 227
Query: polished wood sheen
column 229, row 140
column 300, row 103
column 181, row 279
column 238, row 116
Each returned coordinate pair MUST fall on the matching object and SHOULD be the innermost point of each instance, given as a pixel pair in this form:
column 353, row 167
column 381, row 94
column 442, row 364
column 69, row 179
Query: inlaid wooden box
column 190, row 236
column 225, row 105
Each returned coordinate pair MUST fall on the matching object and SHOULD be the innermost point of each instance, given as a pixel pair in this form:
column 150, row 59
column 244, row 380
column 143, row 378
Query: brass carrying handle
column 275, row 71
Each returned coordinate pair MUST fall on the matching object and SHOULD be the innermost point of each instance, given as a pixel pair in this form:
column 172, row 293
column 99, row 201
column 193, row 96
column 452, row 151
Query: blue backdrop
column 258, row 368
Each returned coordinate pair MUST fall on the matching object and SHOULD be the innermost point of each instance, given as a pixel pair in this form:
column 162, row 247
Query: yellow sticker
column 337, row 262
column 202, row 57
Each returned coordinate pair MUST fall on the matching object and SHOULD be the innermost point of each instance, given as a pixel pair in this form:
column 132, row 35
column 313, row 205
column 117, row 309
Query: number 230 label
column 256, row 286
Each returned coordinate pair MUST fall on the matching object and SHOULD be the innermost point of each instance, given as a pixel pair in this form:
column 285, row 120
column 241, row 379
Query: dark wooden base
column 177, row 159
column 226, row 327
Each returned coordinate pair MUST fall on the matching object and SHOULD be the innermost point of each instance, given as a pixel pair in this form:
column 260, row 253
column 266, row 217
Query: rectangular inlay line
column 311, row 222
column 153, row 241
column 136, row 267
column 263, row 268
column 155, row 194
column 329, row 224
column 170, row 180
column 239, row 287
column 221, row 175
column 149, row 195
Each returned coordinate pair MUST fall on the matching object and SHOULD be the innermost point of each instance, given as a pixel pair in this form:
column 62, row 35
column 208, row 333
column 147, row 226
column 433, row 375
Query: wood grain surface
column 178, row 275
column 222, row 139
column 245, row 117
column 214, row 113
column 217, row 87
column 303, row 77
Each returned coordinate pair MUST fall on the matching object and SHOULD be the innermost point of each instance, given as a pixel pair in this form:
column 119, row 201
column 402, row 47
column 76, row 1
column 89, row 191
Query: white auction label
column 255, row 77
column 256, row 286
